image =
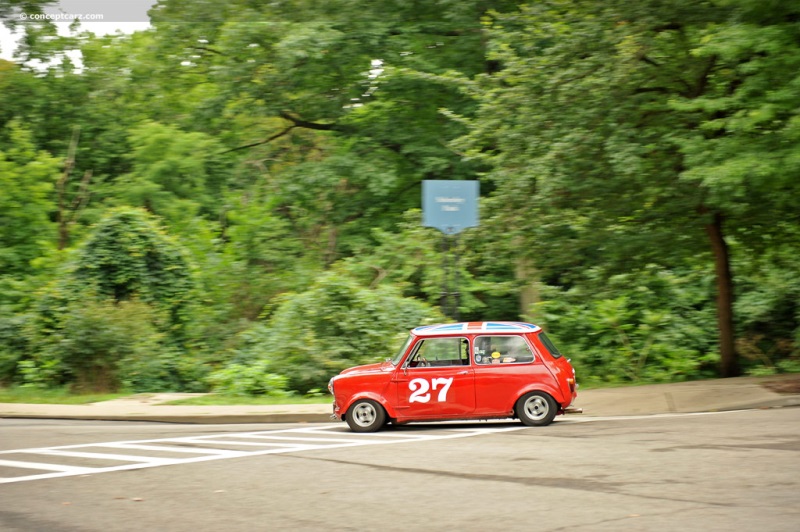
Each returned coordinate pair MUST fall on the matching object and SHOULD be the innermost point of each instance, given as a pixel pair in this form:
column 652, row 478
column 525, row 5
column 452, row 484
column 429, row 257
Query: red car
column 476, row 370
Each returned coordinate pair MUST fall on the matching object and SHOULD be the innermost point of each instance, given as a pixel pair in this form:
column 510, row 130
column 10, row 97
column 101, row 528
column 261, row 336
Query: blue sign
column 450, row 206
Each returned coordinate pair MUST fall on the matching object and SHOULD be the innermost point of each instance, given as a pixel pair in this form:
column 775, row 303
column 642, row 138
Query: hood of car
column 380, row 367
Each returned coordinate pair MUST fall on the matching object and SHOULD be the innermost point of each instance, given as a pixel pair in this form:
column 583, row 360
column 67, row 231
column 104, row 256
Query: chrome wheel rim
column 536, row 407
column 364, row 414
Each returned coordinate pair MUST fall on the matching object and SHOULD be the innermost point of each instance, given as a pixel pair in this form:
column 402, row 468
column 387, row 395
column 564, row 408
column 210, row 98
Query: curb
column 232, row 419
column 742, row 393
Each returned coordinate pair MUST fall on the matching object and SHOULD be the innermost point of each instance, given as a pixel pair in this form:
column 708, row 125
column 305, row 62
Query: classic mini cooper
column 471, row 370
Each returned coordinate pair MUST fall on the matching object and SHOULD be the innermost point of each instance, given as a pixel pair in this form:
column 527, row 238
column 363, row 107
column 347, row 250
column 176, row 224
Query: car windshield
column 399, row 355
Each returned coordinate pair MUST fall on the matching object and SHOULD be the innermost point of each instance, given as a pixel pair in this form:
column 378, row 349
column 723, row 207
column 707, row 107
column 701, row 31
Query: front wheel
column 366, row 416
column 536, row 409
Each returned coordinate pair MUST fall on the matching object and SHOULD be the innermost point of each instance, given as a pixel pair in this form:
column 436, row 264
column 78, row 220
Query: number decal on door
column 419, row 389
column 445, row 386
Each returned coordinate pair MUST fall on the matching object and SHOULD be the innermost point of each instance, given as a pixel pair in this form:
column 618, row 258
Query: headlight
column 330, row 386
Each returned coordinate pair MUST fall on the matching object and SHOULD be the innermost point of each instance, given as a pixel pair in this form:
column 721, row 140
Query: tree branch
column 295, row 122
column 649, row 61
column 299, row 122
column 260, row 142
column 207, row 49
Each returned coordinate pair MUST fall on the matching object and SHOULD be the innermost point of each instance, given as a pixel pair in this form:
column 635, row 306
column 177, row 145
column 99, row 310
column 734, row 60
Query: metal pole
column 445, row 285
column 456, row 293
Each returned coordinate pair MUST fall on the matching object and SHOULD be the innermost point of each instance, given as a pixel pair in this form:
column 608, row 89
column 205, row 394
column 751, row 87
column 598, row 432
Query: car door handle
column 462, row 373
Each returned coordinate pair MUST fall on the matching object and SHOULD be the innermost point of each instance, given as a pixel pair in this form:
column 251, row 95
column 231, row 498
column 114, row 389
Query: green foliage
column 117, row 317
column 96, row 336
column 27, row 178
column 335, row 324
column 283, row 144
column 769, row 306
column 128, row 256
column 163, row 368
column 248, row 379
column 176, row 175
column 421, row 262
column 625, row 134
column 13, row 346
column 637, row 327
column 106, row 345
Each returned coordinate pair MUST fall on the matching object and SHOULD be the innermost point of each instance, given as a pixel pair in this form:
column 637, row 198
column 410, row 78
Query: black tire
column 365, row 415
column 536, row 409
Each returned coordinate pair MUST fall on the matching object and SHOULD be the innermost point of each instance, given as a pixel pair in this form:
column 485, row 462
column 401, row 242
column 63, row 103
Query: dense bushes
column 118, row 319
column 651, row 325
column 335, row 324
column 114, row 318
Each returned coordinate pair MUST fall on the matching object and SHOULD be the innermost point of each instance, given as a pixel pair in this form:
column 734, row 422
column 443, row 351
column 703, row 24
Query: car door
column 436, row 381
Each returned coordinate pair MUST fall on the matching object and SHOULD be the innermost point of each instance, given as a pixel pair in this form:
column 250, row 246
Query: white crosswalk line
column 170, row 449
column 99, row 456
column 297, row 438
column 244, row 443
column 212, row 447
column 46, row 467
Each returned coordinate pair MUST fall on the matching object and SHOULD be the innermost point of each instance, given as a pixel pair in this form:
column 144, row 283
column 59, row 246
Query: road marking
column 251, row 444
column 47, row 467
column 588, row 418
column 98, row 456
column 167, row 449
column 211, row 447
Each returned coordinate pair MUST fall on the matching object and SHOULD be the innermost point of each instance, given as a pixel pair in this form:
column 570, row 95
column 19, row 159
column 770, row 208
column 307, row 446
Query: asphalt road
column 722, row 471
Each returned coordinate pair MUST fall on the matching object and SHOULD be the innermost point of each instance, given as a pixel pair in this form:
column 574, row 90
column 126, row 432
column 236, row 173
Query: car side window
column 502, row 350
column 549, row 345
column 432, row 352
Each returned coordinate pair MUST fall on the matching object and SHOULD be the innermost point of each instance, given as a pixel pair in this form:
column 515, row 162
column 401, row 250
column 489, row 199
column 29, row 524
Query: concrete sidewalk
column 697, row 396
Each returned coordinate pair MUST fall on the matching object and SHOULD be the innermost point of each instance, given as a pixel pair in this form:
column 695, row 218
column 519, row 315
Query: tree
column 629, row 134
column 176, row 175
column 337, row 103
column 128, row 256
column 27, row 177
column 115, row 315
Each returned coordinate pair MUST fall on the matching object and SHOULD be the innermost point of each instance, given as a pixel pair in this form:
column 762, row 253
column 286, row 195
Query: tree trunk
column 729, row 365
column 529, row 291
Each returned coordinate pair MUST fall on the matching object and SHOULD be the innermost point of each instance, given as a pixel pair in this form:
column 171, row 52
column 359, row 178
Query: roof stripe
column 476, row 326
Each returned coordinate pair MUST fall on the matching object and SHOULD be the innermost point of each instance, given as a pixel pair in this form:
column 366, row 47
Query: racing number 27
column 420, row 387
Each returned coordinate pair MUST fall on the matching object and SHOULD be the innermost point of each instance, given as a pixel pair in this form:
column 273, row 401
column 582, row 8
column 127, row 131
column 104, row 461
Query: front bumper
column 336, row 415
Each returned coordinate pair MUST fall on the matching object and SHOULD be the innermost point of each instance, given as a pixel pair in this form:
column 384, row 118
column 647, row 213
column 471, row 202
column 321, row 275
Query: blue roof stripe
column 453, row 327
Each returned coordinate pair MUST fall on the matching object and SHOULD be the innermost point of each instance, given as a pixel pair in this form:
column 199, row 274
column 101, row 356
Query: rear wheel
column 536, row 409
column 366, row 416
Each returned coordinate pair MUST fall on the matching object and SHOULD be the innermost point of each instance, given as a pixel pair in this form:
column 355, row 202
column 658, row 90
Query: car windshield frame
column 395, row 360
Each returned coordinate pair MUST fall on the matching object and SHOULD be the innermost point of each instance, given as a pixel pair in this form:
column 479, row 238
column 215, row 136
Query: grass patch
column 62, row 396
column 220, row 399
column 58, row 396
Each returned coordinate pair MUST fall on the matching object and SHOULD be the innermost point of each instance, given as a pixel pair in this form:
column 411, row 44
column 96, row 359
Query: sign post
column 450, row 207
